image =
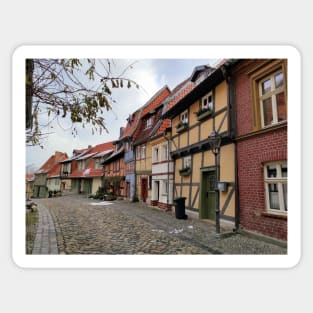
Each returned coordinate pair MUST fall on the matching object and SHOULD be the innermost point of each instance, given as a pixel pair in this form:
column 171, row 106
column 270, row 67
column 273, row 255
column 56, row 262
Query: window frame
column 209, row 94
column 259, row 75
column 184, row 117
column 279, row 180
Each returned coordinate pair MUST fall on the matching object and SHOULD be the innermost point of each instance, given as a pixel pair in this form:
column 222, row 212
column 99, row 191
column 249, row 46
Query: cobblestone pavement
column 85, row 226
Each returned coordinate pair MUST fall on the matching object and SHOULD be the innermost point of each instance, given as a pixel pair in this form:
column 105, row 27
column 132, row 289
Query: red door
column 144, row 189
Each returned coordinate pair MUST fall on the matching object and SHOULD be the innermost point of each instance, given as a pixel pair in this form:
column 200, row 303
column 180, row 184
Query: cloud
column 150, row 74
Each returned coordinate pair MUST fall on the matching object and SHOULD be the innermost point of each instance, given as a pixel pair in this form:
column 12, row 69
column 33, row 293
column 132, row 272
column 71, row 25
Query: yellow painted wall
column 175, row 122
column 206, row 128
column 194, row 108
column 218, row 121
column 193, row 193
column 96, row 183
column 183, row 139
column 208, row 159
column 196, row 167
column 220, row 100
column 193, row 135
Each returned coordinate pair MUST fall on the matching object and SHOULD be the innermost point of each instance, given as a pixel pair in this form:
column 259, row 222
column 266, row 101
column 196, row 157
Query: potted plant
column 181, row 126
column 186, row 171
column 203, row 113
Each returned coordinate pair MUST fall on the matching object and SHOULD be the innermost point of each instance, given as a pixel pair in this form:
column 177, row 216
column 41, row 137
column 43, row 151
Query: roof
column 92, row 153
column 103, row 153
column 115, row 155
column 30, row 177
column 132, row 122
column 215, row 76
column 154, row 108
column 49, row 167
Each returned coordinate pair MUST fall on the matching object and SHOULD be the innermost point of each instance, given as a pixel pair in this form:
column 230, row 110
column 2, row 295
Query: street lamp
column 215, row 144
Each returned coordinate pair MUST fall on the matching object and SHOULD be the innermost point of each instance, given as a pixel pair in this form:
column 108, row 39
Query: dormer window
column 149, row 122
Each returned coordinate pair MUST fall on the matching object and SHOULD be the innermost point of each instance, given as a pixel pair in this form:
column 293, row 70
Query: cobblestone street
column 87, row 226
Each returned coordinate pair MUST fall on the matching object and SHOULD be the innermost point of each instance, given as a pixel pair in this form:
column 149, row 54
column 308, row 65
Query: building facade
column 261, row 112
column 203, row 148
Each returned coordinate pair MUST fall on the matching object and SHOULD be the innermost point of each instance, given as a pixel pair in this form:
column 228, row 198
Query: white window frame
column 156, row 154
column 279, row 180
column 149, row 122
column 183, row 117
column 187, row 162
column 209, row 105
column 165, row 152
column 272, row 94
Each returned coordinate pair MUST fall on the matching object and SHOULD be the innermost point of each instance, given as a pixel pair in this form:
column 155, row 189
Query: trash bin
column 180, row 208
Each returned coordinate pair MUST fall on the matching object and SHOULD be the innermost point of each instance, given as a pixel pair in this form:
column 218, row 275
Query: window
column 149, row 122
column 98, row 162
column 156, row 154
column 184, row 117
column 140, row 152
column 116, row 166
column 270, row 94
column 164, row 153
column 207, row 102
column 275, row 178
column 187, row 162
column 272, row 99
column 81, row 165
column 143, row 151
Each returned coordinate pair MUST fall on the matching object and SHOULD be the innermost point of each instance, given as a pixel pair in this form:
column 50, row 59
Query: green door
column 208, row 195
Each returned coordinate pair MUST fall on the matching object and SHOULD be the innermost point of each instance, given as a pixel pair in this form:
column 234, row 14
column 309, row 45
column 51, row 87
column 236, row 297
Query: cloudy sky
column 150, row 74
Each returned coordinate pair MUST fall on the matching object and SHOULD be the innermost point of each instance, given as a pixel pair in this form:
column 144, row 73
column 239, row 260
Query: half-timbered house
column 202, row 145
column 149, row 123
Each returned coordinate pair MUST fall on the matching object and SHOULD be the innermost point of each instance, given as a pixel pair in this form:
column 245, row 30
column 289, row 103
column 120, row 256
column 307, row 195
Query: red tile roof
column 180, row 92
column 141, row 132
column 131, row 125
column 52, row 166
column 30, row 177
column 92, row 153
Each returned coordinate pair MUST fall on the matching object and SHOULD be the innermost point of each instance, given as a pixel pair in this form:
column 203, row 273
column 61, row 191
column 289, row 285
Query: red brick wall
column 252, row 154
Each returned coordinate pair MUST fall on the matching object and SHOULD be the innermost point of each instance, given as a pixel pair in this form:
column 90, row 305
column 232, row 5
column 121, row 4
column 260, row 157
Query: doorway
column 144, row 189
column 207, row 199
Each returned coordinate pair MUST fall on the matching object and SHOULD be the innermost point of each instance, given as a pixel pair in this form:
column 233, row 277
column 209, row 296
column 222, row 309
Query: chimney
column 122, row 131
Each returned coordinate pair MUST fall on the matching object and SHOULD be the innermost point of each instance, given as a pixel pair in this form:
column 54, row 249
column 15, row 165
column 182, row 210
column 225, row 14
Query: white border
column 156, row 261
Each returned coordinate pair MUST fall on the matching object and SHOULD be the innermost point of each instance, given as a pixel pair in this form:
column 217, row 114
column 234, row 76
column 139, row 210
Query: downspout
column 233, row 133
column 168, row 170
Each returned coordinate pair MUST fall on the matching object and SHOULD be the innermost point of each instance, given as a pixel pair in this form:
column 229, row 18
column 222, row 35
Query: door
column 207, row 210
column 144, row 189
column 127, row 189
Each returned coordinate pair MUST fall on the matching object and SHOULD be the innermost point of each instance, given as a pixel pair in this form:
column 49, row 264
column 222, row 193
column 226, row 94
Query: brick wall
column 252, row 154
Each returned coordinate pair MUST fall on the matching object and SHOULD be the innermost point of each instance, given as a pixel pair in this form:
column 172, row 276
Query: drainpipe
column 168, row 169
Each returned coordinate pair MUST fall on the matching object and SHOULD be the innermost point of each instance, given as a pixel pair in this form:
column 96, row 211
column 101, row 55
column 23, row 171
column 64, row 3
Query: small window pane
column 271, row 171
column 274, row 197
column 268, row 113
column 284, row 170
column 266, row 86
column 281, row 107
column 279, row 80
column 285, row 196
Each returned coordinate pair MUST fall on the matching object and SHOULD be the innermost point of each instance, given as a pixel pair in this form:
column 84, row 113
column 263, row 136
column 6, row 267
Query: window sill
column 280, row 216
column 182, row 128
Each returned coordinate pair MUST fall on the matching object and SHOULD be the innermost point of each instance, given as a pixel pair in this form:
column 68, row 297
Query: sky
column 150, row 74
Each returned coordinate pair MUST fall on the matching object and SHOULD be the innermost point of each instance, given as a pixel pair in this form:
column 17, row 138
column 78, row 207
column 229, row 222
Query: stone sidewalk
column 87, row 226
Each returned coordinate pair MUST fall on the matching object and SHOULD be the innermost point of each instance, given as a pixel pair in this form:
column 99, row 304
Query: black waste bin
column 180, row 208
